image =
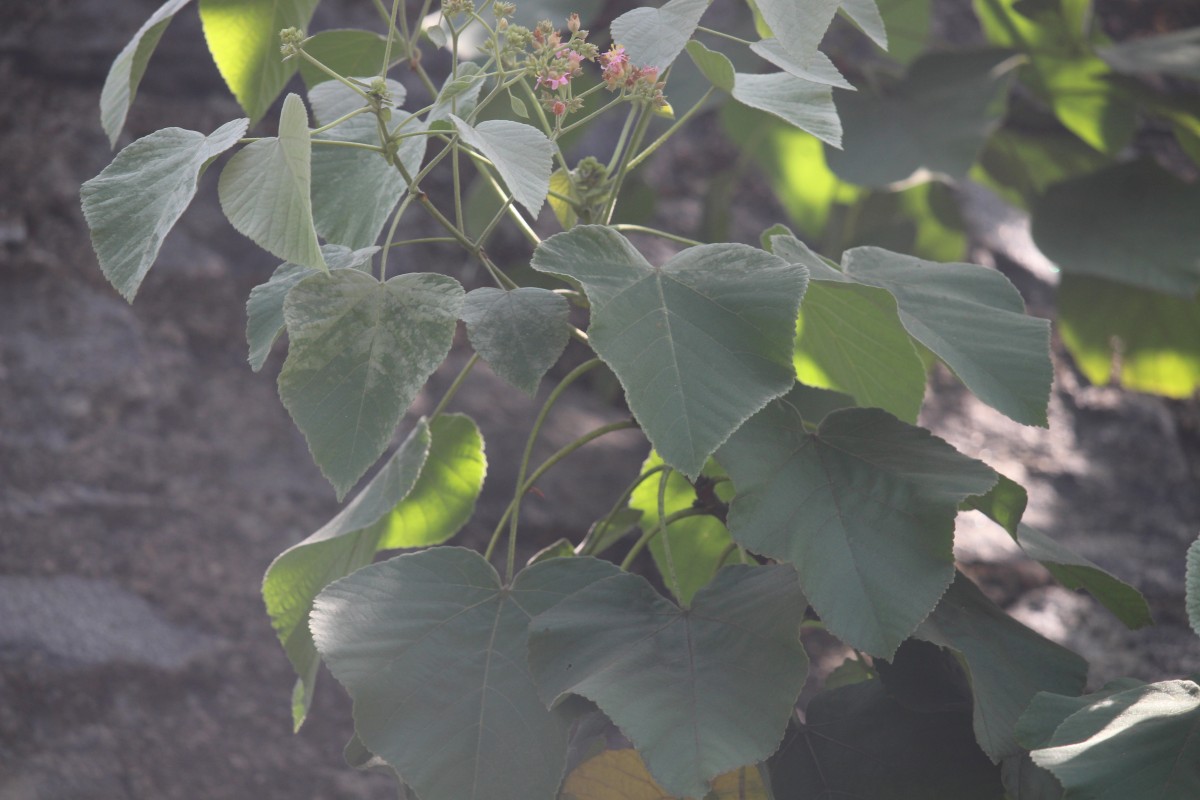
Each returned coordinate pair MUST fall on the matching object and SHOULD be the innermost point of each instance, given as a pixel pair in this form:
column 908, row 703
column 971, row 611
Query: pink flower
column 559, row 108
column 615, row 57
column 553, row 81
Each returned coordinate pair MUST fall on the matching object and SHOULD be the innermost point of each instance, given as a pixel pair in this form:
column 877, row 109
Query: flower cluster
column 639, row 82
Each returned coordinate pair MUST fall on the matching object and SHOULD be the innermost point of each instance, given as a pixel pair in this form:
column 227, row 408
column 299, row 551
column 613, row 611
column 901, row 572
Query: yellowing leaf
column 622, row 775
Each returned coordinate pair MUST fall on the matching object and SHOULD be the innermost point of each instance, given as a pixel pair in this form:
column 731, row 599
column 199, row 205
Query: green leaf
column 1024, row 780
column 1132, row 223
column 860, row 742
column 564, row 211
column 1145, row 340
column 127, row 70
column 346, row 52
column 1047, row 711
column 521, row 153
column 264, row 309
column 1007, row 663
column 422, row 496
column 360, row 351
column 698, row 691
column 819, row 70
column 973, row 319
column 265, row 190
column 132, row 205
column 806, row 105
column 344, row 544
column 432, row 649
column 1193, row 586
column 1142, row 742
column 850, row 339
column 700, row 545
column 1021, row 166
column 606, row 532
column 699, row 344
column 936, row 119
column 1076, row 572
column 864, row 507
column 332, row 100
column 866, row 15
column 1004, row 504
column 716, row 66
column 243, row 37
column 622, row 775
column 799, row 24
column 1176, row 54
column 458, row 95
column 654, row 37
column 520, row 333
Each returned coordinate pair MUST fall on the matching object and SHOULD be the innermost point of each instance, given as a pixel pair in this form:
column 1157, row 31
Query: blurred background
column 148, row 477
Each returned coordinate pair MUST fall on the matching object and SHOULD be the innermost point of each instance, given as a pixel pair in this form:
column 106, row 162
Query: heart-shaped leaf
column 1007, row 663
column 699, row 691
column 520, row 333
column 132, row 205
column 432, row 649
column 360, row 351
column 864, row 507
column 127, row 70
column 804, row 104
column 265, row 190
column 654, row 37
column 715, row 65
column 972, row 318
column 264, row 309
column 422, row 496
column 243, row 37
column 522, row 154
column 346, row 52
column 699, row 344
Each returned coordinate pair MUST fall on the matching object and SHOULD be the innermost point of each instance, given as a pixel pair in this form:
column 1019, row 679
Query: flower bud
column 573, row 23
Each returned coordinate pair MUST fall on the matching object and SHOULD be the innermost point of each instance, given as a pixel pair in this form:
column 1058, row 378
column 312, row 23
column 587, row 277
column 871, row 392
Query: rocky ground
column 147, row 477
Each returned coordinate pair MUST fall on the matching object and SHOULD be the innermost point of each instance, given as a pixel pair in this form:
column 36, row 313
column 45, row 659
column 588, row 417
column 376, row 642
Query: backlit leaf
column 346, row 52
column 264, row 309
column 265, row 190
column 127, row 70
column 715, row 65
column 804, row 104
column 698, row 691
column 132, row 205
column 654, row 37
column 622, row 775
column 243, row 37
column 864, row 507
column 431, row 648
column 360, row 351
column 973, row 319
column 1007, row 663
column 522, row 154
column 520, row 333
column 699, row 344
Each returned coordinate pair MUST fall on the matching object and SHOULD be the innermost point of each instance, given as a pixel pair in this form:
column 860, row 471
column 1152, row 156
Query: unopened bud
column 502, row 9
column 573, row 23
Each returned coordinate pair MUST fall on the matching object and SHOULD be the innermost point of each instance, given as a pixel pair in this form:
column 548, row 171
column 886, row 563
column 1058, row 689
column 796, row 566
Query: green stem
column 641, row 543
column 619, row 148
column 342, row 79
column 662, row 525
column 425, row 240
column 340, row 120
column 639, row 133
column 723, row 35
column 729, row 548
column 584, row 120
column 391, row 38
column 383, row 258
column 550, row 462
column 669, row 132
column 622, row 501
column 374, row 148
column 570, row 378
column 454, row 387
column 655, row 232
column 546, row 127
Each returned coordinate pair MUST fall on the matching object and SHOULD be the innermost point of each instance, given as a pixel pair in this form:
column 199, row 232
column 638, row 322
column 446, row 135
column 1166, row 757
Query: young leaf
column 360, row 351
column 332, row 100
column 1132, row 223
column 1193, row 586
column 715, row 65
column 264, row 309
column 700, row 545
column 622, row 774
column 864, row 507
column 936, row 119
column 522, row 154
column 654, row 37
column 132, row 205
column 799, row 24
column 1142, row 742
column 458, row 95
column 698, row 691
column 858, row 741
column 432, row 649
column 346, row 52
column 265, row 190
column 820, row 70
column 243, row 37
column 127, row 70
column 973, row 319
column 1007, row 663
column 1156, row 335
column 806, row 105
column 519, row 333
column 699, row 344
